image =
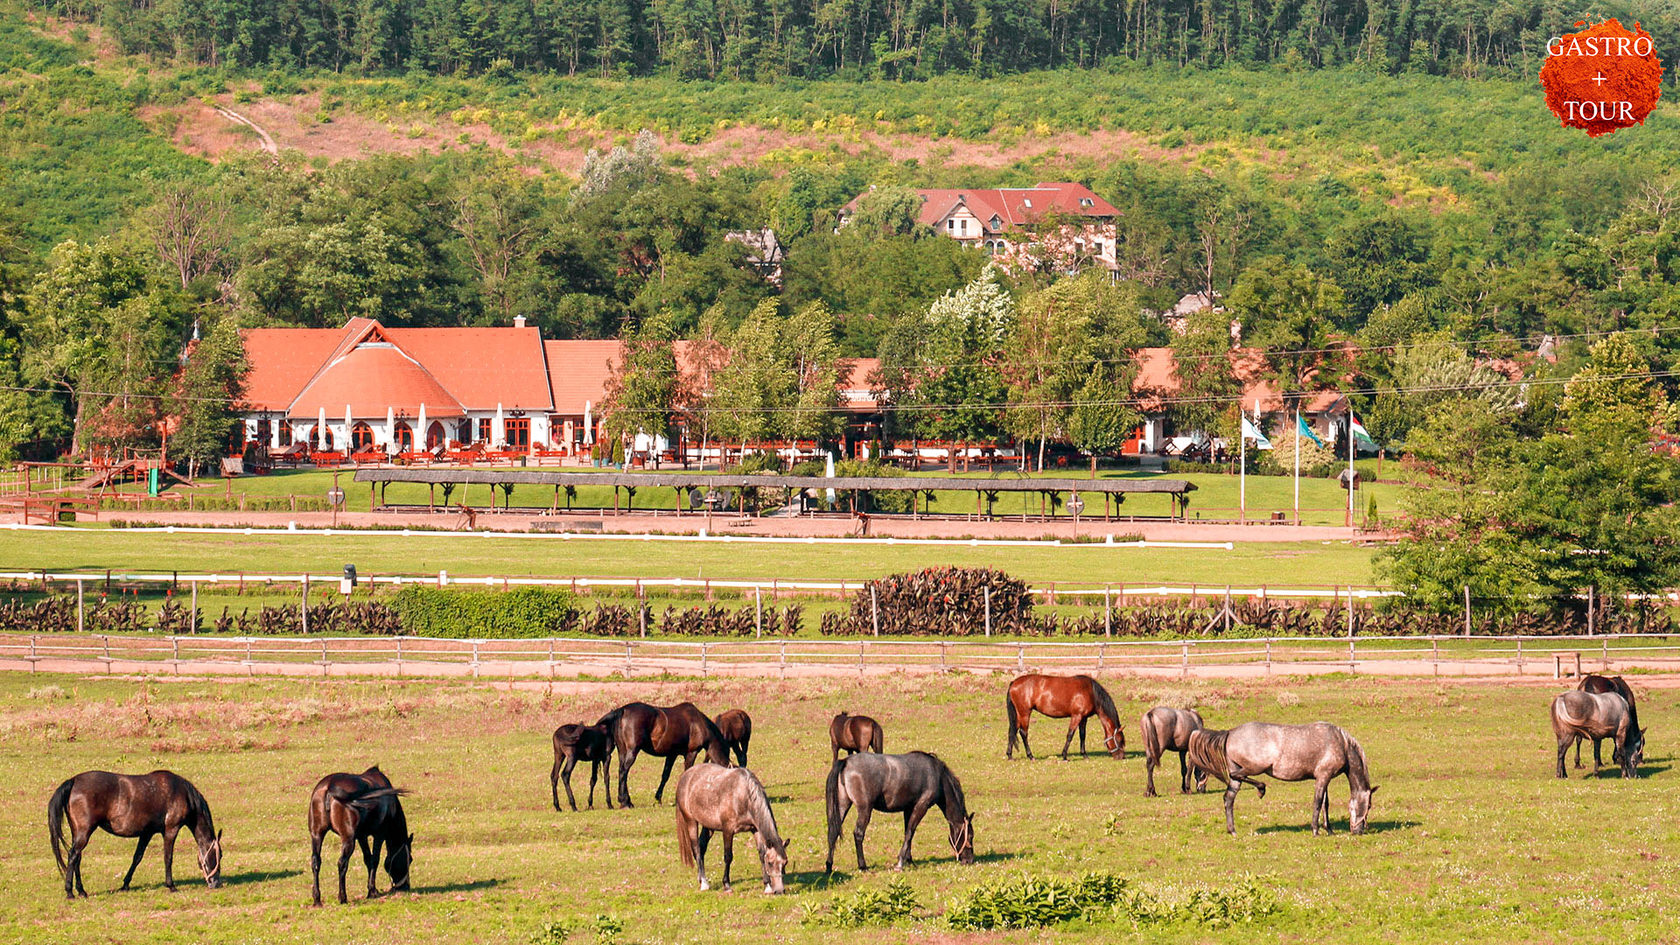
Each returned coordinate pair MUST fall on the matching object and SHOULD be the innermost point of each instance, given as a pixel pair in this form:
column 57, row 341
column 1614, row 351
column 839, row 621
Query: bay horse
column 1593, row 682
column 912, row 783
column 132, row 805
column 736, row 727
column 1167, row 729
column 679, row 731
column 575, row 743
column 1075, row 698
column 1319, row 752
column 362, row 809
column 855, row 733
column 711, row 797
column 1596, row 715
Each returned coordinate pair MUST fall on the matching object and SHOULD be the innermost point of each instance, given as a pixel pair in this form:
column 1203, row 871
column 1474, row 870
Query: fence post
column 303, row 608
column 874, row 613
column 943, row 667
column 1604, row 654
column 703, row 668
column 1350, row 613
column 641, row 617
column 1435, row 654
column 32, row 652
column 628, row 647
column 323, row 656
column 1184, row 660
column 758, row 611
column 194, row 616
column 1519, row 656
column 1101, row 648
column 1353, row 661
column 1020, row 657
column 1108, row 610
column 861, row 648
column 81, row 620
column 400, row 655
column 1467, row 610
column 988, row 590
column 781, row 659
column 1591, row 609
column 475, row 659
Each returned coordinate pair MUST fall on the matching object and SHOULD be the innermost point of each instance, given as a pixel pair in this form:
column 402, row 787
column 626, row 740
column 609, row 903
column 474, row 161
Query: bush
column 460, row 614
column 1035, row 902
column 894, row 902
column 946, row 601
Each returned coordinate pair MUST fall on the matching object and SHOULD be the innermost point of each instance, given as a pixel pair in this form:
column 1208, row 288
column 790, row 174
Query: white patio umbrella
column 588, row 424
column 499, row 433
column 349, row 438
column 321, row 428
column 828, row 472
column 390, row 429
column 420, row 442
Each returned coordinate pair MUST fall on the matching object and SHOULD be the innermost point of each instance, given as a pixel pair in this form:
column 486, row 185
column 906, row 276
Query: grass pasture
column 1472, row 839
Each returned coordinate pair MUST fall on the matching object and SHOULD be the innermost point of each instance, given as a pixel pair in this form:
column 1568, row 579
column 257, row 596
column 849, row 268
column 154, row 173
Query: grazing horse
column 1319, row 752
column 736, row 727
column 132, row 805
column 1595, row 683
column 911, row 783
column 575, row 743
column 362, row 809
column 729, row 800
column 1595, row 715
column 855, row 733
column 1075, row 698
column 680, row 731
column 1167, row 729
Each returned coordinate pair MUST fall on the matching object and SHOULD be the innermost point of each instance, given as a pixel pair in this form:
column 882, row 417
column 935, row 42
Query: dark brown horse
column 680, row 731
column 1596, row 683
column 1318, row 752
column 912, row 783
column 1167, row 729
column 1075, row 698
column 855, row 733
column 729, row 801
column 575, row 743
column 362, row 809
column 1596, row 715
column 736, row 728
column 132, row 805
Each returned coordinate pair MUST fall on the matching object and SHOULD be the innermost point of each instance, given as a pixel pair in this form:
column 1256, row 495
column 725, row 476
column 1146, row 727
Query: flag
column 1360, row 437
column 1302, row 429
column 1252, row 432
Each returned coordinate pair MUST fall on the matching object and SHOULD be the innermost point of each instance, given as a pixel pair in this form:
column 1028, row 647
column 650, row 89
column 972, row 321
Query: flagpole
column 1242, row 465
column 1298, row 462
column 1351, row 473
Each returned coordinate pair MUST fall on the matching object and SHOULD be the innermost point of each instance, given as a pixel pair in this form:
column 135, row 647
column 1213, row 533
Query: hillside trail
column 264, row 141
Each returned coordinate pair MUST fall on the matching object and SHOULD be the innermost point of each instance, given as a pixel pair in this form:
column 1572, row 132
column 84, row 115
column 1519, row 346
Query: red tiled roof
column 1013, row 206
column 1158, row 380
column 854, row 384
column 483, row 367
column 373, row 378
column 578, row 372
column 282, row 360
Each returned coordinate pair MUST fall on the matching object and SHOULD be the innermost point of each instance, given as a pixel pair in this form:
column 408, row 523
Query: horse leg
column 169, row 857
column 1183, row 775
column 73, row 866
column 701, row 841
column 912, row 818
column 1321, row 805
column 835, row 826
column 1578, row 752
column 1082, row 724
column 348, row 846
column 858, row 831
column 594, row 769
column 315, row 865
column 1026, row 745
column 1150, row 760
column 566, row 775
column 624, row 763
column 1562, row 754
column 659, row 795
column 1598, row 753
column 1231, row 806
column 370, row 857
column 139, row 851
column 728, row 858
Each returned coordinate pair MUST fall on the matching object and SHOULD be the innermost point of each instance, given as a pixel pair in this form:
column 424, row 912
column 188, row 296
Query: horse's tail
column 1359, row 776
column 831, row 794
column 363, row 800
column 1151, row 740
column 55, row 821
column 1207, row 752
column 877, row 739
column 1009, row 710
column 1105, row 703
column 685, row 835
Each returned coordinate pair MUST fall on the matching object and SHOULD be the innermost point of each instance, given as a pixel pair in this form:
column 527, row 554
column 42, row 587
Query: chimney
column 519, row 321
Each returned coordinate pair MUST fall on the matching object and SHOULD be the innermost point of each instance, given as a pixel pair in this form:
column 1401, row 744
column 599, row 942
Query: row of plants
column 219, row 503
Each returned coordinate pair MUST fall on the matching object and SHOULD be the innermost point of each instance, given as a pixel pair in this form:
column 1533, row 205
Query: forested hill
column 767, row 39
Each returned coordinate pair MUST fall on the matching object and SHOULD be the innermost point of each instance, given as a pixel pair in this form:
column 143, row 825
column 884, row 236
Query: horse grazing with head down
column 736, row 728
column 855, row 733
column 132, row 805
column 911, row 783
column 575, row 743
column 1596, row 715
column 1318, row 752
column 1075, row 698
column 362, row 809
column 680, row 731
column 1595, row 683
column 1166, row 729
column 730, row 801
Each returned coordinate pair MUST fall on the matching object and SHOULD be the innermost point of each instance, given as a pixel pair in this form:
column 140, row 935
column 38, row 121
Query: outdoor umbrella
column 420, row 440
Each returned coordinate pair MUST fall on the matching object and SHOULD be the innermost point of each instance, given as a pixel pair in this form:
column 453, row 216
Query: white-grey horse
column 1318, row 752
column 731, row 801
column 1595, row 715
column 913, row 783
column 1167, row 729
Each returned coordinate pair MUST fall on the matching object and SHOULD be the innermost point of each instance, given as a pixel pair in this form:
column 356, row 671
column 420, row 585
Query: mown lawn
column 1472, row 839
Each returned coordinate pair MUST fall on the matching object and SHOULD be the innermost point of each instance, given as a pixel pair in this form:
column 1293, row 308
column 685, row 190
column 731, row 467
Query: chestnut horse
column 1596, row 683
column 132, row 805
column 680, row 731
column 855, row 733
column 362, row 809
column 736, row 726
column 575, row 743
column 1075, row 698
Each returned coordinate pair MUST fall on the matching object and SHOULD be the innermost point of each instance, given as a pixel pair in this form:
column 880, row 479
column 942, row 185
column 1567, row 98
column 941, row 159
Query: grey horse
column 1595, row 715
column 1167, row 729
column 912, row 783
column 731, row 801
column 1319, row 752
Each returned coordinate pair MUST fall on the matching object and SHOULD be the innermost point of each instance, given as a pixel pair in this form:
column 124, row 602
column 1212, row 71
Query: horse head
column 773, row 856
column 962, row 839
column 1359, row 809
column 1114, row 738
column 399, row 857
column 210, row 860
column 1633, row 754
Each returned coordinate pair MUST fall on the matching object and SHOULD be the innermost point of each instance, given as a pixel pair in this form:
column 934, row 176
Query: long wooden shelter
column 718, row 492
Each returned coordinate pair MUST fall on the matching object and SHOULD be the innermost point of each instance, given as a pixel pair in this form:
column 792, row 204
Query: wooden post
column 1020, row 657
column 628, row 648
column 194, row 616
column 1466, row 610
column 1108, row 615
column 988, row 590
column 1435, row 654
column 81, row 620
column 1268, row 656
column 703, row 670
column 758, row 611
column 874, row 612
column 303, row 609
column 1591, row 610
column 1519, row 656
column 1184, row 660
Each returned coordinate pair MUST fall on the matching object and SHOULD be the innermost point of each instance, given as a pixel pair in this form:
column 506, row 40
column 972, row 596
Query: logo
column 1602, row 79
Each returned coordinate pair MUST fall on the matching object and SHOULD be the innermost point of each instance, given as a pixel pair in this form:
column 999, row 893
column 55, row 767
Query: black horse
column 362, row 809
column 575, row 743
column 680, row 731
column 132, row 805
column 911, row 783
column 736, row 726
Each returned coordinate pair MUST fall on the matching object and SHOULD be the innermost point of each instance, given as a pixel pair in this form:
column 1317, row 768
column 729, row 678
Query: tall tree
column 206, row 391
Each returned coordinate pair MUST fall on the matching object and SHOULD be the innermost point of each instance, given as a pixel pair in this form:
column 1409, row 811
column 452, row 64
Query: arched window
column 403, row 436
column 434, row 435
column 264, row 431
column 324, row 437
column 361, row 437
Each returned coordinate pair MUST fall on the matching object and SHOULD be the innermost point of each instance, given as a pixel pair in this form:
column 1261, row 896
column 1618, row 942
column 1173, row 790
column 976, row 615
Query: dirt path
column 264, row 141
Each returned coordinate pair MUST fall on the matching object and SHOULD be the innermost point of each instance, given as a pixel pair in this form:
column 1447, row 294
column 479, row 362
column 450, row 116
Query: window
column 361, row 437
column 518, row 432
column 1085, row 201
column 950, row 226
column 323, row 436
column 434, row 435
column 264, row 431
column 285, row 434
column 403, row 435
column 1026, row 202
column 484, row 429
column 965, row 227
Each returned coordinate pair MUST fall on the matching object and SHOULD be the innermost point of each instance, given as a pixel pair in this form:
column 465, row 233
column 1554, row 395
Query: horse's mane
column 1207, row 751
column 762, row 816
column 198, row 808
column 1105, row 702
column 1359, row 776
column 1626, row 692
column 952, row 801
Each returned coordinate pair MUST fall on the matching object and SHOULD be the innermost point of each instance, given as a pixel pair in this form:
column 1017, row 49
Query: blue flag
column 1303, row 429
column 1252, row 432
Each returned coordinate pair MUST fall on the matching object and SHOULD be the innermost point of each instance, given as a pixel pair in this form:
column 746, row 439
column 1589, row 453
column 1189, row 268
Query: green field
column 1472, row 839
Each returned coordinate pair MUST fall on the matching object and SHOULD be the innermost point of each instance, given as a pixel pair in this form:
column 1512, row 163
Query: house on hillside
column 1059, row 226
column 1159, row 380
column 764, row 252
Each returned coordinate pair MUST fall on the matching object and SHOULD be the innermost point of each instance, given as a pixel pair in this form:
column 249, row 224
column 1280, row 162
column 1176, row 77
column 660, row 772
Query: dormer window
column 1085, row 201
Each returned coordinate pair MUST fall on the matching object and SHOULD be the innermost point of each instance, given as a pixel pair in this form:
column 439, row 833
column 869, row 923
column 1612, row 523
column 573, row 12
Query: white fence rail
column 1555, row 657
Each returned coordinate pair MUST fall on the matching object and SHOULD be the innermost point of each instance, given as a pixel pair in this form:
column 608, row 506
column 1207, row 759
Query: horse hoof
column 705, row 885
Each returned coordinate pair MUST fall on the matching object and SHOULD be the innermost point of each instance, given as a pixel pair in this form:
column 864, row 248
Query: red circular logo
column 1602, row 79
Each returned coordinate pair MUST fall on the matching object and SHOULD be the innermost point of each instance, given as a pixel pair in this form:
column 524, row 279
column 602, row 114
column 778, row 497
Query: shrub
column 892, row 903
column 1035, row 902
column 951, row 601
column 461, row 614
